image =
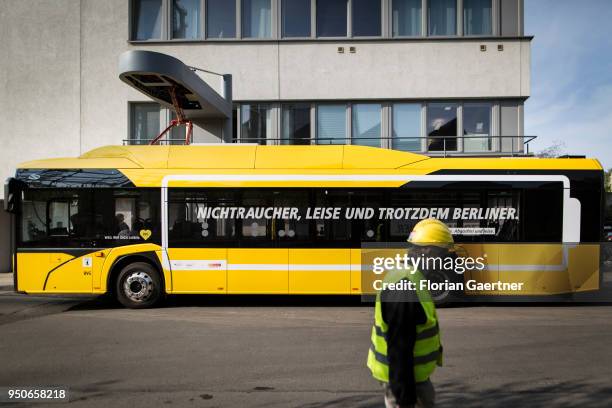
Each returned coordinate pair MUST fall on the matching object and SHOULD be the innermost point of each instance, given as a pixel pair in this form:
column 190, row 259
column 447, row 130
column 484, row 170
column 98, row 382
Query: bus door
column 257, row 270
column 198, row 270
column 196, row 247
column 49, row 229
column 326, row 271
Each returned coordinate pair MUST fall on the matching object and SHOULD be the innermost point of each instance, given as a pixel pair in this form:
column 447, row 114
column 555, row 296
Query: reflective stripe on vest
column 427, row 347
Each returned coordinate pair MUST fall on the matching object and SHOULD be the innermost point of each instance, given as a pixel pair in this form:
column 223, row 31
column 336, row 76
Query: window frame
column 422, row 123
column 492, row 19
column 313, row 22
column 458, row 21
column 459, row 126
column 165, row 116
column 202, row 25
column 237, row 23
column 276, row 110
column 492, row 142
column 347, row 121
column 352, row 119
column 272, row 134
column 423, row 23
column 133, row 25
column 350, row 22
column 273, row 18
column 312, row 123
column 386, row 24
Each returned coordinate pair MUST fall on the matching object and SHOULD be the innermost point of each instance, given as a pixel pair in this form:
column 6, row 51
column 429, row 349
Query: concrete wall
column 39, row 81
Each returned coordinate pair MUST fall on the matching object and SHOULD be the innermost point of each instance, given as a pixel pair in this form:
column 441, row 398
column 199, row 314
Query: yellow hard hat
column 431, row 231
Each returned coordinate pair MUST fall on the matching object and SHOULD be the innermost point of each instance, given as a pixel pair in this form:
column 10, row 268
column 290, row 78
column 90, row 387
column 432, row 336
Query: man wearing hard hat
column 406, row 346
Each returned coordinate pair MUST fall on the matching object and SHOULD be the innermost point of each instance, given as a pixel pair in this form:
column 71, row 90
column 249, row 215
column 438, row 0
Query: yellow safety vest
column 427, row 347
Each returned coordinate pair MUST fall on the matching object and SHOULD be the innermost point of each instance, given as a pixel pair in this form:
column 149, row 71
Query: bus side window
column 543, row 215
column 59, row 218
column 370, row 229
column 256, row 229
column 125, row 216
column 507, row 230
column 292, row 231
column 333, row 233
column 188, row 221
column 33, row 219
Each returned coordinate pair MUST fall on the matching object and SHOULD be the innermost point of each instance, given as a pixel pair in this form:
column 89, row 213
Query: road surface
column 288, row 352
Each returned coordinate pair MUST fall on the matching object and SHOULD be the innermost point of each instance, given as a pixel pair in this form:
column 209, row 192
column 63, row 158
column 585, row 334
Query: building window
column 256, row 19
column 295, row 123
column 296, row 18
column 255, row 123
column 442, row 17
column 186, row 19
column 406, row 127
column 178, row 134
column 331, row 124
column 147, row 19
column 406, row 16
column 477, row 127
column 331, row 18
column 366, row 18
column 220, row 19
column 145, row 120
column 441, row 122
column 477, row 17
column 366, row 124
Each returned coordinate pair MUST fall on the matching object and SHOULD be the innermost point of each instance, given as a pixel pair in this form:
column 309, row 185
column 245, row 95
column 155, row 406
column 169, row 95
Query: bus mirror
column 9, row 195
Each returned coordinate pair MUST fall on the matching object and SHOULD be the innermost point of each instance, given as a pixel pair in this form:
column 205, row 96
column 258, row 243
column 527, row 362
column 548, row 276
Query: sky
column 571, row 76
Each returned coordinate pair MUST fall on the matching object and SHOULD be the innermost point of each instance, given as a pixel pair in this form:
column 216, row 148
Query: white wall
column 39, row 81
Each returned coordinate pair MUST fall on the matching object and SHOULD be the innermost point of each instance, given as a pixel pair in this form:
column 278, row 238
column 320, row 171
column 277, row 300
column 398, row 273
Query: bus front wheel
column 138, row 286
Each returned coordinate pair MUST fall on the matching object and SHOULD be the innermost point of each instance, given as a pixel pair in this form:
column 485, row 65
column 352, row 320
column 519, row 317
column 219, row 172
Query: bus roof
column 311, row 157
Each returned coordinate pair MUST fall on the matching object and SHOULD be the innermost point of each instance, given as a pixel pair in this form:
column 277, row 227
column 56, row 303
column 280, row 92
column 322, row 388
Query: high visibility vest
column 427, row 347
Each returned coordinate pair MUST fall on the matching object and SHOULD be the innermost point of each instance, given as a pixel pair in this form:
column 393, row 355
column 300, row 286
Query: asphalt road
column 279, row 352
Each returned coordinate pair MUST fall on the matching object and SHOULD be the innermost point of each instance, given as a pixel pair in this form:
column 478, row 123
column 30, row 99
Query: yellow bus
column 140, row 222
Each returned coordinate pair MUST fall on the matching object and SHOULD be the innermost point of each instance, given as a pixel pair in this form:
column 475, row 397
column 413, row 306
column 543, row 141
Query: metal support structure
column 174, row 85
column 228, row 125
column 180, row 120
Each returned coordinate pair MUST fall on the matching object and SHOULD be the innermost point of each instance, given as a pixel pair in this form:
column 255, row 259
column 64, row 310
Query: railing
column 431, row 145
column 142, row 142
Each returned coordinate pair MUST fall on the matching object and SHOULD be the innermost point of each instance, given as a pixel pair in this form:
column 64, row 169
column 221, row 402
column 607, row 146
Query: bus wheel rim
column 138, row 286
column 438, row 277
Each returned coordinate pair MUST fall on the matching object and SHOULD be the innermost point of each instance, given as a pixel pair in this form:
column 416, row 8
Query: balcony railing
column 429, row 145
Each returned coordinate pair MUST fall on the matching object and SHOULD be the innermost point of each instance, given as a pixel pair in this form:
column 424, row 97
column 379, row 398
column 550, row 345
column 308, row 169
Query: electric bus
column 140, row 222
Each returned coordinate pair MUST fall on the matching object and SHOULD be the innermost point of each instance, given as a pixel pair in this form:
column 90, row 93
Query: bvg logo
column 145, row 234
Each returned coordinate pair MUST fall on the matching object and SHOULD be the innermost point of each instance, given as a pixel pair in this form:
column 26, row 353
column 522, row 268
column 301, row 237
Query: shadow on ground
column 559, row 395
column 107, row 302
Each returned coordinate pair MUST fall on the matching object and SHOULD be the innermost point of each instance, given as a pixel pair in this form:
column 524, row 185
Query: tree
column 607, row 175
column 556, row 149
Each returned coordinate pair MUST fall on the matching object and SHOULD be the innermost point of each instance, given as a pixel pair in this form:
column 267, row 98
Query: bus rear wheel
column 138, row 286
column 444, row 297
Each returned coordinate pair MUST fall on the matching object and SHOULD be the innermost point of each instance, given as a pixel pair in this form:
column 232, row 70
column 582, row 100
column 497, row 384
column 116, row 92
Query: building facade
column 438, row 77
